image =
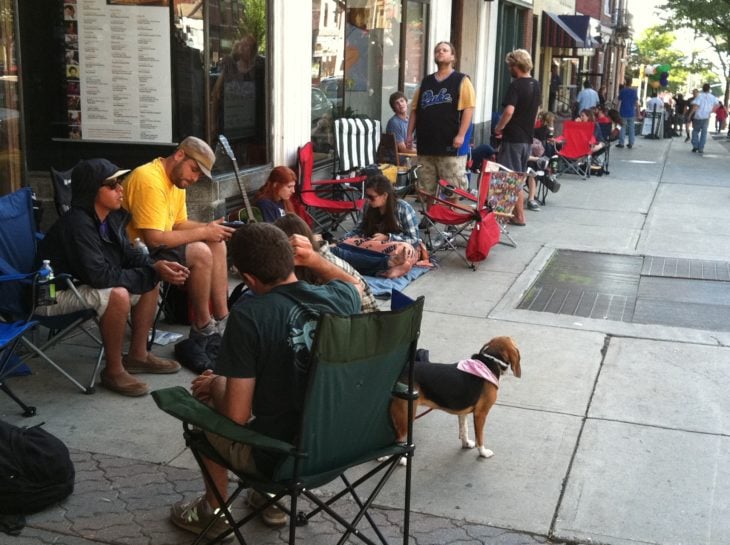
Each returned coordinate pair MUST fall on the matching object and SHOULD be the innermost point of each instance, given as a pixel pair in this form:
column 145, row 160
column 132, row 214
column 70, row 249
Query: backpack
column 36, row 470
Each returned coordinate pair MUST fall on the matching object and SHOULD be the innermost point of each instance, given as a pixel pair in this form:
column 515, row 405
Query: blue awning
column 567, row 31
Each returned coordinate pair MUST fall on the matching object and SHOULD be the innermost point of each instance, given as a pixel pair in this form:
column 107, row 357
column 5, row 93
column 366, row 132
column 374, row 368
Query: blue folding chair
column 18, row 267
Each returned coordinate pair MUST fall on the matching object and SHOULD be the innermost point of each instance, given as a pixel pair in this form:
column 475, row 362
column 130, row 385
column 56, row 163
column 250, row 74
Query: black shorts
column 169, row 254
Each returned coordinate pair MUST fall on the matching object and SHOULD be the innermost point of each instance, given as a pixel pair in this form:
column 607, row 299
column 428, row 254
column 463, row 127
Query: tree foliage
column 710, row 20
column 656, row 46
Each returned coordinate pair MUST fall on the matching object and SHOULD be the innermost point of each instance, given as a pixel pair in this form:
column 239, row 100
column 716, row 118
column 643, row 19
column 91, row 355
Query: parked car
column 321, row 106
column 332, row 87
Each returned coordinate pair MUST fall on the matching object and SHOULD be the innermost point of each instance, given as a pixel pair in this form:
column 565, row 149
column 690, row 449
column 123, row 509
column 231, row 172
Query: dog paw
column 485, row 452
column 468, row 443
column 403, row 461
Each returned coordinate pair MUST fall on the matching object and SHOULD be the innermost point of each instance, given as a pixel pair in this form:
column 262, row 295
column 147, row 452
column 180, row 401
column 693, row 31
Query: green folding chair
column 355, row 366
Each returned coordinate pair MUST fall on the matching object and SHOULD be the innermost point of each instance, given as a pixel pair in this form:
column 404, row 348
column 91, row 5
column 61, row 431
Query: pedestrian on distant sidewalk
column 702, row 107
column 628, row 109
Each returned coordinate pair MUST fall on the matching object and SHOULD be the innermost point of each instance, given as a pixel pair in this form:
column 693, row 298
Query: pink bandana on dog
column 477, row 368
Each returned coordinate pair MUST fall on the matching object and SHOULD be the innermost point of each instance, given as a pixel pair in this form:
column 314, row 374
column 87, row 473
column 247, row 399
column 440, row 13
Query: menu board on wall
column 123, row 71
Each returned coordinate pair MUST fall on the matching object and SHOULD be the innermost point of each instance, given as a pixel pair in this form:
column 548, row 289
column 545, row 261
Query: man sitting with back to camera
column 263, row 361
column 155, row 196
column 90, row 243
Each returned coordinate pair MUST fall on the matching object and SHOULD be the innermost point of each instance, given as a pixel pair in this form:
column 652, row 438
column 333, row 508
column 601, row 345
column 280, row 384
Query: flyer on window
column 118, row 53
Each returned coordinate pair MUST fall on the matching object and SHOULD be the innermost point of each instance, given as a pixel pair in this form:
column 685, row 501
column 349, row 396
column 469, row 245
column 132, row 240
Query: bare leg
column 200, row 261
column 219, row 475
column 531, row 188
column 113, row 323
column 219, row 280
column 143, row 315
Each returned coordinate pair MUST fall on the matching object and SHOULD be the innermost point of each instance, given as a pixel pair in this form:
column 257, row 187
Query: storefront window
column 357, row 60
column 10, row 153
column 237, row 82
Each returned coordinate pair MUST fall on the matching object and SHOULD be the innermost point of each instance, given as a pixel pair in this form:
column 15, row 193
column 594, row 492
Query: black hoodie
column 75, row 246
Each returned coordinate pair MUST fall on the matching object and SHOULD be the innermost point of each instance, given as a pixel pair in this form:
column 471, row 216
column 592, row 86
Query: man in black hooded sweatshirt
column 90, row 243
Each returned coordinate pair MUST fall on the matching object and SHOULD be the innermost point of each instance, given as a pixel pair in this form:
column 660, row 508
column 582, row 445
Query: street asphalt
column 616, row 434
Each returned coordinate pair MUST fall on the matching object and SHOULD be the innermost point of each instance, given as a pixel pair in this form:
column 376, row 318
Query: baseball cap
column 97, row 171
column 200, row 152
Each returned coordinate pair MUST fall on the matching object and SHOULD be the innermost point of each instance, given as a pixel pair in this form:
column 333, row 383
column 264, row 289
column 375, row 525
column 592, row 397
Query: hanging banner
column 122, row 51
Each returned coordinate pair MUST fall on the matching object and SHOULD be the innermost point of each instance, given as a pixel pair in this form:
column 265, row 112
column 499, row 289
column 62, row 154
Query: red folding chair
column 575, row 155
column 329, row 202
column 473, row 223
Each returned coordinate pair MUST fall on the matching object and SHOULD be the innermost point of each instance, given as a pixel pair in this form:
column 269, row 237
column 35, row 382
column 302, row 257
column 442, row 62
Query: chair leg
column 27, row 409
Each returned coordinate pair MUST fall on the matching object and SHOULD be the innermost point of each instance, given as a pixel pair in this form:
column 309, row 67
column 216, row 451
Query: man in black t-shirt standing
column 516, row 127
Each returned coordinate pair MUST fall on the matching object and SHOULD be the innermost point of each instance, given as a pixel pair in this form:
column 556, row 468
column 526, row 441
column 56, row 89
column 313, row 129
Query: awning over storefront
column 567, row 31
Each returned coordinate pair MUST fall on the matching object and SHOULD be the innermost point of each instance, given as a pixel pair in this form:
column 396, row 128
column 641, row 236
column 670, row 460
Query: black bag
column 36, row 470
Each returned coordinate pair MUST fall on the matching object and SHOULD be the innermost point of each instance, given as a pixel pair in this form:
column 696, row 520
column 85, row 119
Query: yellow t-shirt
column 153, row 200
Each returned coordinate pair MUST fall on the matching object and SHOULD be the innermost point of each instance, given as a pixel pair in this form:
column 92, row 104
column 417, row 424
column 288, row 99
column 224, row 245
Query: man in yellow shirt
column 154, row 194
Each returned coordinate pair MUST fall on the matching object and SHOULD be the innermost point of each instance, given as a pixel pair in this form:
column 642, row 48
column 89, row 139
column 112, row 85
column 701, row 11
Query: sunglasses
column 116, row 183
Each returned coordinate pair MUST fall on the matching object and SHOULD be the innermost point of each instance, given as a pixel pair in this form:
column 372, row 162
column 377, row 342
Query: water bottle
column 140, row 246
column 46, row 285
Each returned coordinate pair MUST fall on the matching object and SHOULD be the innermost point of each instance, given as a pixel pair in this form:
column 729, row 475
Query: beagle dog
column 467, row 387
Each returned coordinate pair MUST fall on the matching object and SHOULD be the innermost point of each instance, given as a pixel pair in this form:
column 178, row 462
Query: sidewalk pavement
column 616, row 434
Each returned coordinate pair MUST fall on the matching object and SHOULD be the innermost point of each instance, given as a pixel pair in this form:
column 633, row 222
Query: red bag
column 484, row 235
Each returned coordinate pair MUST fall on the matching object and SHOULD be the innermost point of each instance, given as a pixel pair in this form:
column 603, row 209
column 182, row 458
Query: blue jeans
column 699, row 133
column 629, row 122
column 364, row 261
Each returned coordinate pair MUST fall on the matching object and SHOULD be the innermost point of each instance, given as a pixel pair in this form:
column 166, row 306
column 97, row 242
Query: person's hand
column 498, row 133
column 172, row 271
column 202, row 386
column 303, row 251
column 380, row 236
column 457, row 142
column 217, row 232
column 409, row 141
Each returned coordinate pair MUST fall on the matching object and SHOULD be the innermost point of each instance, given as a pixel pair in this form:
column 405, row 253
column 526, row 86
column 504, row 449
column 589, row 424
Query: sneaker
column 619, row 145
column 210, row 328
column 195, row 516
column 629, row 146
column 694, row 150
column 533, row 205
column 152, row 364
column 272, row 515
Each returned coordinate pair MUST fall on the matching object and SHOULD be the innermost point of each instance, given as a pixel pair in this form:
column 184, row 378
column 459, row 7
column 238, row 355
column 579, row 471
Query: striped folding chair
column 356, row 144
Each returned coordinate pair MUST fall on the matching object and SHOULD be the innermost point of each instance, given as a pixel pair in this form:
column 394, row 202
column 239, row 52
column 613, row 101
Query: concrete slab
column 517, row 488
column 553, row 360
column 650, row 382
column 600, row 194
column 478, row 290
column 634, row 484
column 75, row 417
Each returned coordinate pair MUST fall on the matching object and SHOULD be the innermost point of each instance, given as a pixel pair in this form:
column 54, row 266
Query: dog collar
column 502, row 364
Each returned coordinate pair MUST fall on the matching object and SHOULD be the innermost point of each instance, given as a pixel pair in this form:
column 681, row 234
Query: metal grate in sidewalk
column 694, row 269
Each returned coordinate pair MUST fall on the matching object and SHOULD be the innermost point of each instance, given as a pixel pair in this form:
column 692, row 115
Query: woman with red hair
column 274, row 197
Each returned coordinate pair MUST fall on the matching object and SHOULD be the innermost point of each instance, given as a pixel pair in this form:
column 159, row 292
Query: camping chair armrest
column 455, row 206
column 178, row 402
column 14, row 277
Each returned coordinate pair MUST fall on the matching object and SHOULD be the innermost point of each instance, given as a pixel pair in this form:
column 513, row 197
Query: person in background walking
column 720, row 117
column 555, row 82
column 703, row 106
column 628, row 109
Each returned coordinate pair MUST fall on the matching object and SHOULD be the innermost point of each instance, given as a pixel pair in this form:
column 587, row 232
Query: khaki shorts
column 240, row 456
column 67, row 302
column 446, row 167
